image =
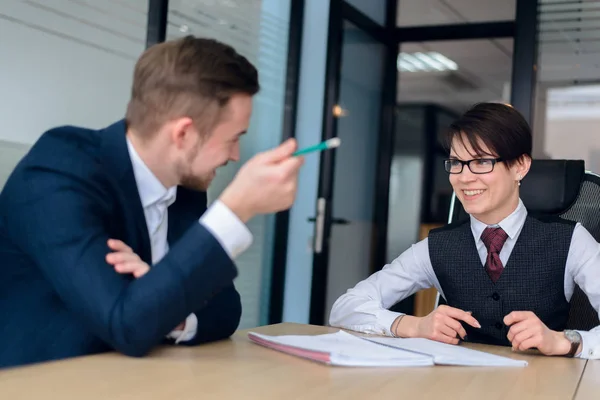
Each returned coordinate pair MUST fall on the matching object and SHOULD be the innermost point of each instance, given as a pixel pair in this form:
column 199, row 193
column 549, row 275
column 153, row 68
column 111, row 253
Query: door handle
column 320, row 224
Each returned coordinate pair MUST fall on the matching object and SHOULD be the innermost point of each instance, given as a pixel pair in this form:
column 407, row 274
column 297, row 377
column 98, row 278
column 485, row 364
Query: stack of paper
column 447, row 354
column 344, row 349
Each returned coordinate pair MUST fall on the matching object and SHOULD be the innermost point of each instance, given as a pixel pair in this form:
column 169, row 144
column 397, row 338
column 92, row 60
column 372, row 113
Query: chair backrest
column 562, row 188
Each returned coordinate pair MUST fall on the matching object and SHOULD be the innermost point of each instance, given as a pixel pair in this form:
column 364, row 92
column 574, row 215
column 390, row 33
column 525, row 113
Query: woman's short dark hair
column 500, row 127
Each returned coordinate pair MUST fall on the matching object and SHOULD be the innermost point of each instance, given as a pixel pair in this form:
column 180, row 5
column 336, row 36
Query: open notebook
column 344, row 349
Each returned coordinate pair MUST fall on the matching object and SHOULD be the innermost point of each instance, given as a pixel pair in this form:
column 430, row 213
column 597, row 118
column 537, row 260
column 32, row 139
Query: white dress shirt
column 225, row 226
column 364, row 308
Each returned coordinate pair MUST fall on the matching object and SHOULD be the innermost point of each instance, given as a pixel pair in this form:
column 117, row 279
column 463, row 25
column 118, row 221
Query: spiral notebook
column 344, row 349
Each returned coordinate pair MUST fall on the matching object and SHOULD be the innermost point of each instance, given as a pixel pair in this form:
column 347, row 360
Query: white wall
column 58, row 67
column 574, row 139
column 10, row 154
column 571, row 122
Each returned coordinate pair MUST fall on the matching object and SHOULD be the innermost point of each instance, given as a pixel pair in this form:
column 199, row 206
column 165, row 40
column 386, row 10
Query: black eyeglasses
column 477, row 166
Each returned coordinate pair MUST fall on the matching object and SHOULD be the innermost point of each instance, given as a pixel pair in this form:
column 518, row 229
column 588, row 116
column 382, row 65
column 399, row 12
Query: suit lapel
column 118, row 166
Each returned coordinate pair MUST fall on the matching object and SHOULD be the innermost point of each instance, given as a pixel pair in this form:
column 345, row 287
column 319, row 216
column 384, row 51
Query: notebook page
column 447, row 354
column 344, row 349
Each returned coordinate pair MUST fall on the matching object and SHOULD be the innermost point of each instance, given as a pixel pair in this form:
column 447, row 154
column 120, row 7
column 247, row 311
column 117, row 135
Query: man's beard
column 191, row 181
column 200, row 183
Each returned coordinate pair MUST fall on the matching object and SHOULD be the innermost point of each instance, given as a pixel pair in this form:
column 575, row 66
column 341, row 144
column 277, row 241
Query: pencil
column 326, row 145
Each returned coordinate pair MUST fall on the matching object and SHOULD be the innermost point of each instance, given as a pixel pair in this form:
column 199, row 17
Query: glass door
column 345, row 231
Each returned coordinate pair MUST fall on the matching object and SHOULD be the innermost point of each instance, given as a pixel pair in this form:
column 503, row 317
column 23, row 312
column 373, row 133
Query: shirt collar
column 151, row 190
column 511, row 225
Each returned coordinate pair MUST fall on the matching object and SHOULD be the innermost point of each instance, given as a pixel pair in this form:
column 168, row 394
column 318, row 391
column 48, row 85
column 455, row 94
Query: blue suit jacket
column 59, row 298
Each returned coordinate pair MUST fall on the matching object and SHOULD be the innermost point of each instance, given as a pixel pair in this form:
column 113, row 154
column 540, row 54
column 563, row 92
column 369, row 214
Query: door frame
column 340, row 11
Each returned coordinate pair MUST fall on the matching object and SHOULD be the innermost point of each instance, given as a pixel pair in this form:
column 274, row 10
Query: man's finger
column 141, row 272
column 290, row 166
column 121, row 257
column 281, row 152
column 461, row 315
column 516, row 316
column 118, row 245
column 125, row 268
column 131, row 268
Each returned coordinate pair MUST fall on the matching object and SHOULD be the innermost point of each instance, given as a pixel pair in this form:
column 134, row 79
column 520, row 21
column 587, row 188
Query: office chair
column 562, row 188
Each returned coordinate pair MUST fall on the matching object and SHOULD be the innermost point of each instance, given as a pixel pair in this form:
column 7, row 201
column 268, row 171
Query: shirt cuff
column 233, row 235
column 590, row 345
column 386, row 318
column 188, row 332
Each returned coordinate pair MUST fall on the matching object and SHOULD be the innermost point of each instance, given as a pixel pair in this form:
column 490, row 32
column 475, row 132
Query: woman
column 524, row 305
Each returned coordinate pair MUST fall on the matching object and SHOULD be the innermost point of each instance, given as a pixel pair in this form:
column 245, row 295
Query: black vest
column 532, row 280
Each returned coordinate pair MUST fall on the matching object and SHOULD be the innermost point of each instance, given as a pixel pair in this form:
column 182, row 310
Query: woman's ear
column 522, row 167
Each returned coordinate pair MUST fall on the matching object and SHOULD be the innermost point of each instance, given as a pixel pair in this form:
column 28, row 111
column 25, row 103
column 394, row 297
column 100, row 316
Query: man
column 524, row 305
column 139, row 183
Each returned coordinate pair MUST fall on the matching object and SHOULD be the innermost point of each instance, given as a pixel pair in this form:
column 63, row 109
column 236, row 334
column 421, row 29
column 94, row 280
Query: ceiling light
column 448, row 63
column 425, row 62
column 406, row 66
column 339, row 111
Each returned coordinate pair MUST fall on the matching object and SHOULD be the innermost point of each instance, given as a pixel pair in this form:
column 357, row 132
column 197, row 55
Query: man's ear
column 181, row 131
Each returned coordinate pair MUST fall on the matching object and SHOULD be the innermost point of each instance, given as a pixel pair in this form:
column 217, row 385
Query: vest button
column 498, row 325
column 496, row 296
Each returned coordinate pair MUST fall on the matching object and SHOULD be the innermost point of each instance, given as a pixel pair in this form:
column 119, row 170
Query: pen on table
column 326, row 145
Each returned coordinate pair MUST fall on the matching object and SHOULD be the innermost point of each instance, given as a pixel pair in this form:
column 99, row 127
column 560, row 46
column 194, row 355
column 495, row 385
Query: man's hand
column 124, row 260
column 267, row 183
column 527, row 331
column 442, row 325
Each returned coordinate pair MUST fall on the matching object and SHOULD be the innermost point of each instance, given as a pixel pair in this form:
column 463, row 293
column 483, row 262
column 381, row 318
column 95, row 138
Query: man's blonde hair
column 189, row 77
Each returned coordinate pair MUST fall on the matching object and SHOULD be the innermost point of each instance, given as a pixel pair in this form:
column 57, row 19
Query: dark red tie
column 494, row 239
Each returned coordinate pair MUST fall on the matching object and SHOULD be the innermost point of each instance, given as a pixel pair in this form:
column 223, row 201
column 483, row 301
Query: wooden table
column 239, row 369
column 589, row 387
